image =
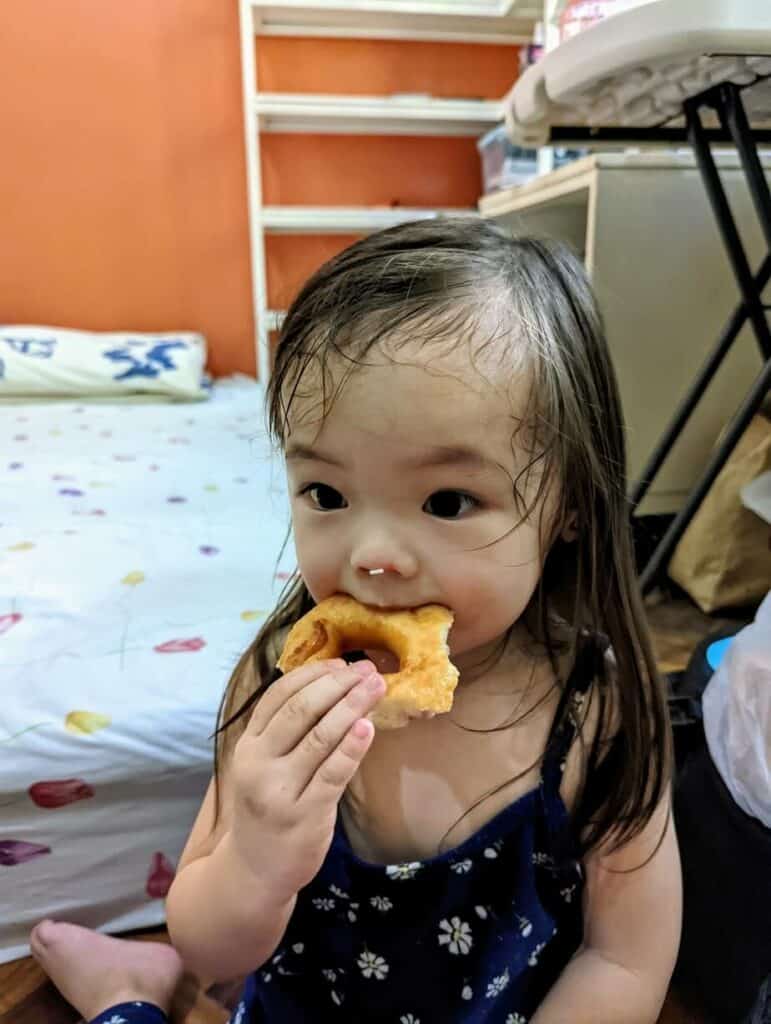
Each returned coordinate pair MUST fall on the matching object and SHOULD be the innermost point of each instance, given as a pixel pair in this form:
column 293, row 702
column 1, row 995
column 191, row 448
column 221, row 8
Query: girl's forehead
column 442, row 401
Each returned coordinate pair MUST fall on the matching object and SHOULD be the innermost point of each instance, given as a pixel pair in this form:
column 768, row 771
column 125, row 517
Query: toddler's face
column 412, row 472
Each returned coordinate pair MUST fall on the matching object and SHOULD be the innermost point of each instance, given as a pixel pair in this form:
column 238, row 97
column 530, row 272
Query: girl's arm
column 222, row 919
column 632, row 915
column 238, row 877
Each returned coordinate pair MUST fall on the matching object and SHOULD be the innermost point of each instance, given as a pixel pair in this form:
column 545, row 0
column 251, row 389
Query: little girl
column 445, row 403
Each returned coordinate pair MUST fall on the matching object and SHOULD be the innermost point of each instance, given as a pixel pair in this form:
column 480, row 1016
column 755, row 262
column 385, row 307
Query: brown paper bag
column 723, row 559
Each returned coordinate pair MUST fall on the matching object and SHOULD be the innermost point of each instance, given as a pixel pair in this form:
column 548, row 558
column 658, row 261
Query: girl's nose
column 388, row 557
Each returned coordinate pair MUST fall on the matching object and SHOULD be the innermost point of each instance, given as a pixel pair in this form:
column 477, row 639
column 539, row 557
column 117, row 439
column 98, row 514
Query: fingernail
column 363, row 668
column 373, row 682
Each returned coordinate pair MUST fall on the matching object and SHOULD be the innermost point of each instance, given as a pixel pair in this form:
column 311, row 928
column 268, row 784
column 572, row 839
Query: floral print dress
column 477, row 934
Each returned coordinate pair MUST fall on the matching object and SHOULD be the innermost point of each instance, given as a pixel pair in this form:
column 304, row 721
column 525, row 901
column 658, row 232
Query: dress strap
column 590, row 654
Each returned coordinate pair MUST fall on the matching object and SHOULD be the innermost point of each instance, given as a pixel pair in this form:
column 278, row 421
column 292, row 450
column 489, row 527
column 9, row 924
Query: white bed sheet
column 138, row 557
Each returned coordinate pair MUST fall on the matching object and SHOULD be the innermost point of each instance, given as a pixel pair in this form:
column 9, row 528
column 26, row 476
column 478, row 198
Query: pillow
column 53, row 361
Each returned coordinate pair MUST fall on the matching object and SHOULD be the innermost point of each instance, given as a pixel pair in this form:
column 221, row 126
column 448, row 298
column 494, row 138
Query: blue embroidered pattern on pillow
column 37, row 348
column 143, row 361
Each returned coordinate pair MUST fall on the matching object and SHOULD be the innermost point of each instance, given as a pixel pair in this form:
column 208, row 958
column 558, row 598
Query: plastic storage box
column 505, row 165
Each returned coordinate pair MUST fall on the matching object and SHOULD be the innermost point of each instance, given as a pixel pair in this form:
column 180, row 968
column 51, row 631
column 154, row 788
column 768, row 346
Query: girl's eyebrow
column 450, row 455
column 443, row 455
column 296, row 452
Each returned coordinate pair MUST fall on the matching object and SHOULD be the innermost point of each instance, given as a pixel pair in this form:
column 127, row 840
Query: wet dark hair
column 524, row 301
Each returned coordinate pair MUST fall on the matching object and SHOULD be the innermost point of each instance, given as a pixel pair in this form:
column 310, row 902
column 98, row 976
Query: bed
column 139, row 544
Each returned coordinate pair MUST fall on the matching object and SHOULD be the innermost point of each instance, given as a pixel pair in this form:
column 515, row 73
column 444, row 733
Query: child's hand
column 304, row 743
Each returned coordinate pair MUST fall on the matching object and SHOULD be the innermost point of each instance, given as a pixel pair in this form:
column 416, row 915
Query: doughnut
column 426, row 679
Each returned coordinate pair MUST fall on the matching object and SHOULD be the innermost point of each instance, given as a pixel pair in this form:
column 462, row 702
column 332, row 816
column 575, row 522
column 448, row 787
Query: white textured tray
column 635, row 69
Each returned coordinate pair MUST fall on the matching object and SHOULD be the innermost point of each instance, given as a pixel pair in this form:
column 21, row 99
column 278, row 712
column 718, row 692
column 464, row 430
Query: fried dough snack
column 426, row 679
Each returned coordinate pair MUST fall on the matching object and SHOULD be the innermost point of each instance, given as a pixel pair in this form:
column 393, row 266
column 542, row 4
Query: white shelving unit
column 347, row 220
column 463, row 21
column 381, row 115
column 469, row 21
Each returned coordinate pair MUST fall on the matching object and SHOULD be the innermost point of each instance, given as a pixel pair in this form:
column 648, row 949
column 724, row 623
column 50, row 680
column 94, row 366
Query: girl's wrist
column 255, row 884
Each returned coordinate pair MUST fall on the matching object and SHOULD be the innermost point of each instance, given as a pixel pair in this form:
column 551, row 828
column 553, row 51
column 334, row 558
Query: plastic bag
column 756, row 496
column 737, row 716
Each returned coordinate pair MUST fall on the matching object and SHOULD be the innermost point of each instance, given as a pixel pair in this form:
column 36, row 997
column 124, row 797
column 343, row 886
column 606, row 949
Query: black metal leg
column 727, row 101
column 734, row 119
column 725, row 222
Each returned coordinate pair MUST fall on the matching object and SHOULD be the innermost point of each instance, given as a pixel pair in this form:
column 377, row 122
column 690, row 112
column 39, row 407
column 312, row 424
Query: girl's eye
column 449, row 504
column 324, row 498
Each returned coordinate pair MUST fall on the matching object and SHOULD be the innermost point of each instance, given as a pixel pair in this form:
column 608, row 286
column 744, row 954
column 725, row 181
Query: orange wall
column 384, row 66
column 122, row 180
column 355, row 170
column 360, row 170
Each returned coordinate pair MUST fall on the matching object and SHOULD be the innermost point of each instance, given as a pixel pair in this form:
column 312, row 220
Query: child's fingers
column 278, row 694
column 321, row 742
column 302, row 712
column 334, row 774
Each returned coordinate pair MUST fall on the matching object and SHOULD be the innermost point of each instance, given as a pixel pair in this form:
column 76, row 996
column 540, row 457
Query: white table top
column 635, row 69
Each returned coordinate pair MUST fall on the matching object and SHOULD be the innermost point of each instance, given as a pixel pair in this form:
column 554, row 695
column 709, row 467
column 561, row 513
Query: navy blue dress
column 477, row 934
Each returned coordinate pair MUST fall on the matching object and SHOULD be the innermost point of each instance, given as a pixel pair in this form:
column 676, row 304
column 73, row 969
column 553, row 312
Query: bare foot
column 94, row 972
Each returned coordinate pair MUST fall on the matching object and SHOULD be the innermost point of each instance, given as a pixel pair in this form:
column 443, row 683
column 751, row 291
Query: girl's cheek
column 318, row 569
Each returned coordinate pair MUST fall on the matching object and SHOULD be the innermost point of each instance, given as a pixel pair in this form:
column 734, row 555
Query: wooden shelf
column 374, row 115
column 347, row 220
column 462, row 21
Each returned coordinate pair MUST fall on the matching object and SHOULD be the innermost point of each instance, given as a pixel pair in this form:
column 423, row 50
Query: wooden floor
column 26, row 997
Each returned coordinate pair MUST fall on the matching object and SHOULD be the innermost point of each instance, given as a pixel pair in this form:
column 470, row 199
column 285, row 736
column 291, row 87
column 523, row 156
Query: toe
column 43, row 932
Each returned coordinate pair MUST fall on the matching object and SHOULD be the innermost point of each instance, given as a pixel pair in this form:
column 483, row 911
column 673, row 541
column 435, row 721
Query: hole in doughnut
column 384, row 660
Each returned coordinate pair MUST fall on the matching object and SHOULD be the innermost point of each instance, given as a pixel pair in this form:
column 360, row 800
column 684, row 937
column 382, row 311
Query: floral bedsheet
column 139, row 545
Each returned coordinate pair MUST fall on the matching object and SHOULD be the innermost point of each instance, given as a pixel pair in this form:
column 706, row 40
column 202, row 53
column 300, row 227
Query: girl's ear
column 569, row 531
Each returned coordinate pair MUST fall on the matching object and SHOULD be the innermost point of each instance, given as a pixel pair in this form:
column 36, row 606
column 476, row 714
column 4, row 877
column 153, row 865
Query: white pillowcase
column 56, row 361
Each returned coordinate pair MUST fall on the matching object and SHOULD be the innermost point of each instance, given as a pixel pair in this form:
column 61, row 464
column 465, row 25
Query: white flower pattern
column 542, row 860
column 381, row 903
column 409, row 1018
column 372, row 966
column 403, row 872
column 115, row 1019
column 323, row 903
column 533, row 958
column 456, row 935
column 461, row 867
column 516, row 1018
column 498, row 984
